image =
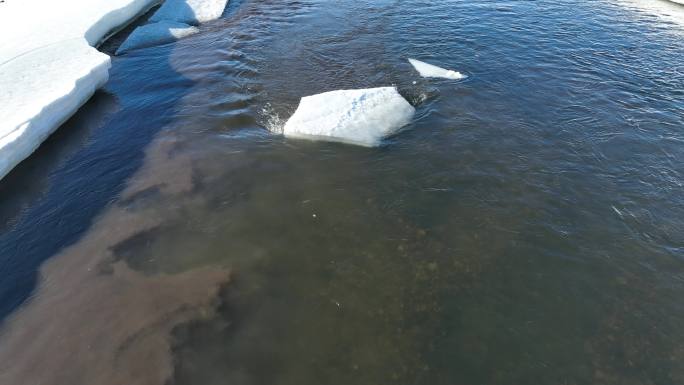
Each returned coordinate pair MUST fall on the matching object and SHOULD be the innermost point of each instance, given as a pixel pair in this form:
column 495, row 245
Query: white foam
column 362, row 117
column 190, row 11
column 48, row 67
column 431, row 71
column 156, row 33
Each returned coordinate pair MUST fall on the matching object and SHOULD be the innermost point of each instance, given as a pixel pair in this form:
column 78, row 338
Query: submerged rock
column 155, row 34
column 431, row 71
column 360, row 117
column 190, row 11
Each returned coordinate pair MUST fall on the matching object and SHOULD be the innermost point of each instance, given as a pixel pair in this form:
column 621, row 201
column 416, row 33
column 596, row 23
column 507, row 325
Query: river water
column 526, row 228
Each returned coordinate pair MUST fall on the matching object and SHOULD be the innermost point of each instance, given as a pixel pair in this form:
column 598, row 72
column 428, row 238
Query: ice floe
column 190, row 11
column 48, row 67
column 431, row 71
column 361, row 117
column 156, row 33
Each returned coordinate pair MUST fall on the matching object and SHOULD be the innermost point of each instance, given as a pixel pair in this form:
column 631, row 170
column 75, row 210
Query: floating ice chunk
column 156, row 33
column 190, row 11
column 41, row 91
column 430, row 71
column 360, row 117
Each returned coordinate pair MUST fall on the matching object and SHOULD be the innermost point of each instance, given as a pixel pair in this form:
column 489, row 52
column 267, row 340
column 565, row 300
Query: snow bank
column 360, row 117
column 671, row 11
column 430, row 71
column 53, row 87
column 48, row 67
column 30, row 24
column 156, row 33
column 190, row 11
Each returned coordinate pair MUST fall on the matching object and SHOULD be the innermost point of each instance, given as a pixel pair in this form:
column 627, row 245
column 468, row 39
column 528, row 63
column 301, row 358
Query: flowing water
column 526, row 228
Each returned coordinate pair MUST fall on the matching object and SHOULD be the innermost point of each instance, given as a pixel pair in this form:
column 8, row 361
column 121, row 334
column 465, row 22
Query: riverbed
column 526, row 228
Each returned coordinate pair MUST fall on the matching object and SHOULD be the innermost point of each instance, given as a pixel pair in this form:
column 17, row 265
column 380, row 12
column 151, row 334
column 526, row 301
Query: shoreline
column 41, row 87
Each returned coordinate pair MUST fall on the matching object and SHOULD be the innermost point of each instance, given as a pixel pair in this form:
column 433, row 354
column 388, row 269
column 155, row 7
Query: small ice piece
column 361, row 117
column 156, row 33
column 190, row 11
column 430, row 71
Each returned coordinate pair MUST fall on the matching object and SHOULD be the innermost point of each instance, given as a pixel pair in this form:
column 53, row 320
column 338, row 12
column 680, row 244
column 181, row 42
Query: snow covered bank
column 48, row 67
column 431, row 71
column 30, row 24
column 671, row 11
column 360, row 117
column 156, row 33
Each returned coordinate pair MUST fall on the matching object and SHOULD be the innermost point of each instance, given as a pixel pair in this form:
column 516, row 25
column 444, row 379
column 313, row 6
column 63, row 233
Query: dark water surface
column 526, row 228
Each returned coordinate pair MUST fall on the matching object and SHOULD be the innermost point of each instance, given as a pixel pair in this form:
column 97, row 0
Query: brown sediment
column 93, row 319
column 166, row 169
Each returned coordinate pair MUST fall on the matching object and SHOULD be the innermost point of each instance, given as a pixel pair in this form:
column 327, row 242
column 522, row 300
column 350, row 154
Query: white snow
column 53, row 87
column 360, row 117
column 190, row 11
column 48, row 67
column 30, row 24
column 156, row 33
column 431, row 71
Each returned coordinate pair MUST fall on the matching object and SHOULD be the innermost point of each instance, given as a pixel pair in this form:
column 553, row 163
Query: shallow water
column 527, row 227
